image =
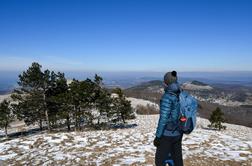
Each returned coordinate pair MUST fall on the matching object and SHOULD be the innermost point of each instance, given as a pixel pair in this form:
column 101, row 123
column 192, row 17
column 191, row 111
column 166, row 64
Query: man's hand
column 156, row 142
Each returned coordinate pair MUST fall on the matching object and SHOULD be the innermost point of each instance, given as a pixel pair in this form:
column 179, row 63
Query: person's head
column 170, row 77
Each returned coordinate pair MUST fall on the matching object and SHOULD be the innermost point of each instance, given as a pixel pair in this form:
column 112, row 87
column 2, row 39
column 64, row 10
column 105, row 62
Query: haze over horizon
column 126, row 36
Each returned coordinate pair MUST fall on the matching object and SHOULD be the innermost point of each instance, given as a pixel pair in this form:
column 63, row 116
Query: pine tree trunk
column 47, row 120
column 6, row 133
column 79, row 118
column 123, row 118
column 46, row 113
column 118, row 116
column 68, row 123
column 40, row 125
column 75, row 115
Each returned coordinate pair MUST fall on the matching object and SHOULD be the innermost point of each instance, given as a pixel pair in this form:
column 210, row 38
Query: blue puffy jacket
column 169, row 106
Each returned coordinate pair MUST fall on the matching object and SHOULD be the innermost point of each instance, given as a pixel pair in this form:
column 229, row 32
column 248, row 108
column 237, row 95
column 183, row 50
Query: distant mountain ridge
column 145, row 85
column 228, row 95
column 234, row 100
column 157, row 85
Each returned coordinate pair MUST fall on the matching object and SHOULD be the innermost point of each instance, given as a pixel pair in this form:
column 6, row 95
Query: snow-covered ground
column 222, row 101
column 2, row 132
column 130, row 146
column 2, row 97
column 135, row 102
column 190, row 86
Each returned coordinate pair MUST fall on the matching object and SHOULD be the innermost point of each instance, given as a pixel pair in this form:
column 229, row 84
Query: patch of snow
column 3, row 97
column 2, row 132
column 114, row 95
column 135, row 102
column 130, row 160
column 7, row 156
column 190, row 86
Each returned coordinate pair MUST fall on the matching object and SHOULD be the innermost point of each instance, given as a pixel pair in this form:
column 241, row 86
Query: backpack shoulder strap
column 176, row 94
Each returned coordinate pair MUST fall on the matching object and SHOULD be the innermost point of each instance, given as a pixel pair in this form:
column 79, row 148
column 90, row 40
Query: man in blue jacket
column 168, row 137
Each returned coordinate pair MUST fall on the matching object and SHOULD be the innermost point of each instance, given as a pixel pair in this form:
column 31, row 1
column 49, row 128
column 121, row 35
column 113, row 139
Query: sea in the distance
column 8, row 79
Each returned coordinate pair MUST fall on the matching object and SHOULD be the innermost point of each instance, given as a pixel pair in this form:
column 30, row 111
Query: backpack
column 188, row 111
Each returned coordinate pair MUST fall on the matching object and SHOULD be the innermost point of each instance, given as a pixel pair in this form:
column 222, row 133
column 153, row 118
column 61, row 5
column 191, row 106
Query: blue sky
column 126, row 35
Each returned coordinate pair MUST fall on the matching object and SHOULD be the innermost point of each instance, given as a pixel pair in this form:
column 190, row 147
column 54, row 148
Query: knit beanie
column 170, row 77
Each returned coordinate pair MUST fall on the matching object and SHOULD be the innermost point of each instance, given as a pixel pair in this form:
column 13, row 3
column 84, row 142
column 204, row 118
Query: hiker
column 168, row 136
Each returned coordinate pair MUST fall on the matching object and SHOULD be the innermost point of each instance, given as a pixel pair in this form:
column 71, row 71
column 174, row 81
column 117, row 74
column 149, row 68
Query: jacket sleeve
column 165, row 106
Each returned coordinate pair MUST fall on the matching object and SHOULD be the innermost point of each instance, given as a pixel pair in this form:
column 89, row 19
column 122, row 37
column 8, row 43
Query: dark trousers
column 170, row 147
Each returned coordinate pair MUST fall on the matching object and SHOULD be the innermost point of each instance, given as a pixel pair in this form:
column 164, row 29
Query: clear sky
column 127, row 35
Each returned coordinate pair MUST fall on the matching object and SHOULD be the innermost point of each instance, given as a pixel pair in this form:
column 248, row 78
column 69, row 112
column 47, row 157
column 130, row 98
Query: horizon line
column 135, row 71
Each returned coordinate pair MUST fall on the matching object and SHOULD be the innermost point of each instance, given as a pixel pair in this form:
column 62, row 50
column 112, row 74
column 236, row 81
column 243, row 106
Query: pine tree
column 122, row 106
column 126, row 110
column 216, row 119
column 32, row 97
column 56, row 91
column 74, row 101
column 6, row 115
column 29, row 108
column 103, row 104
column 82, row 99
column 102, row 101
column 46, row 97
column 90, row 93
column 98, row 80
column 65, row 109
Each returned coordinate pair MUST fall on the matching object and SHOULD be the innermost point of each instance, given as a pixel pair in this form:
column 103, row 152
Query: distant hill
column 150, row 90
column 234, row 100
column 150, row 84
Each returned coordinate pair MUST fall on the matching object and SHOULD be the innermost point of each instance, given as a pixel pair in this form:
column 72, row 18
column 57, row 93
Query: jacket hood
column 174, row 88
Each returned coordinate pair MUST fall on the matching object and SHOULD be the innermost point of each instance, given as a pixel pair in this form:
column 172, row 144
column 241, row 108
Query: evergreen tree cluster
column 46, row 99
column 6, row 115
column 216, row 119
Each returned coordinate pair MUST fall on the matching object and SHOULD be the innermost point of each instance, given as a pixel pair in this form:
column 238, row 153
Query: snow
column 226, row 145
column 3, row 97
column 135, row 102
column 2, row 132
column 131, row 160
column 190, row 86
column 7, row 156
column 126, row 146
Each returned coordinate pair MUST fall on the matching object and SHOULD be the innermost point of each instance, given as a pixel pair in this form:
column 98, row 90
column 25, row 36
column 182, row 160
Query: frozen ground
column 132, row 146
